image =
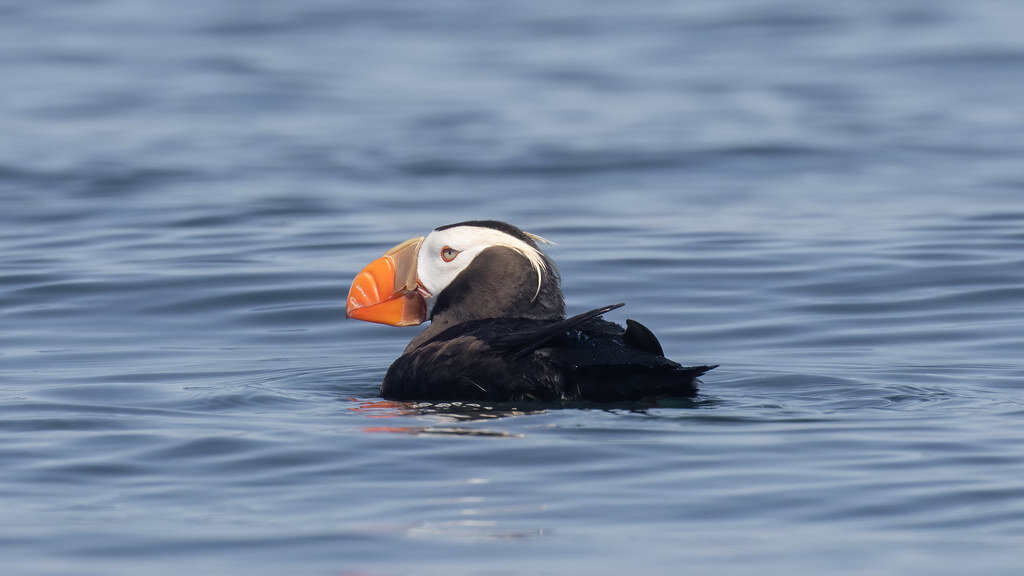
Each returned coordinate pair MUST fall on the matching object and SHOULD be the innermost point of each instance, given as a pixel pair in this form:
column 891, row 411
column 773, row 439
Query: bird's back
column 501, row 360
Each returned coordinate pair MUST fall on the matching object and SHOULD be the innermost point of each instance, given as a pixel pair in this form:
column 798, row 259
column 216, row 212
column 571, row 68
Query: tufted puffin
column 498, row 330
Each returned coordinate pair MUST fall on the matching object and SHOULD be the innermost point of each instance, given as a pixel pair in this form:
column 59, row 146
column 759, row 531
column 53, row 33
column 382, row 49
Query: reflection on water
column 471, row 530
column 439, row 431
column 445, row 412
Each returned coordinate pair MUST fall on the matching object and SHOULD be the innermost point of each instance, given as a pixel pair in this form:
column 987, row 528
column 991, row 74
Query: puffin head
column 467, row 271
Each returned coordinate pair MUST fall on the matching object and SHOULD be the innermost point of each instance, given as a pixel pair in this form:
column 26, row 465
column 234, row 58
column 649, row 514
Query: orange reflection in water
column 382, row 408
column 448, row 412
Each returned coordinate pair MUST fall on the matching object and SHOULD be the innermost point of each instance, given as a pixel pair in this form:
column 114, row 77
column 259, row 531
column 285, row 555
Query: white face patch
column 446, row 253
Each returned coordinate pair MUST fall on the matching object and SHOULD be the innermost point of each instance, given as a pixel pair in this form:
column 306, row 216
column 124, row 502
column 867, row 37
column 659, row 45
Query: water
column 827, row 199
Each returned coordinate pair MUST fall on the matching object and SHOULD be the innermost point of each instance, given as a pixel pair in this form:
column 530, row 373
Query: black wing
column 579, row 358
column 519, row 344
column 640, row 337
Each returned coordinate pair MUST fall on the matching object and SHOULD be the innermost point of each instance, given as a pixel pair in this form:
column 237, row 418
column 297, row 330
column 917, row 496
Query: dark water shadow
column 452, row 414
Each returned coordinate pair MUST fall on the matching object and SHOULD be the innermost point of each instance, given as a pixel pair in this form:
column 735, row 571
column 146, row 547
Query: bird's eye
column 448, row 253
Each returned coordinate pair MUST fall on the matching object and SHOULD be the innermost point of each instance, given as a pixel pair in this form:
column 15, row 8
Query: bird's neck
column 502, row 285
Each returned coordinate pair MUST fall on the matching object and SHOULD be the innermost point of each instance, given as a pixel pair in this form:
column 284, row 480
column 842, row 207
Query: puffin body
column 498, row 330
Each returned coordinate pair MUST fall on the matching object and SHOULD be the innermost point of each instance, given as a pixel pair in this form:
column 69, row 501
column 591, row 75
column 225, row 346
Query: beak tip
column 385, row 290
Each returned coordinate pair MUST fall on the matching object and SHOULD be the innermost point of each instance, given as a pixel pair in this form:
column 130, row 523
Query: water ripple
column 822, row 198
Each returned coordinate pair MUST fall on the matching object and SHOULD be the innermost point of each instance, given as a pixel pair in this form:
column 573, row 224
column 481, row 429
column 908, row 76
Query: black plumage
column 516, row 359
column 496, row 336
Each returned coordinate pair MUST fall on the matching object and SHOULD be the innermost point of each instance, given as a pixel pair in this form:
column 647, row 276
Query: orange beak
column 385, row 291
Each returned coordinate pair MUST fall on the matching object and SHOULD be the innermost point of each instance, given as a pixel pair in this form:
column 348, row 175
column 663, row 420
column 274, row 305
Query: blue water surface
column 826, row 198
